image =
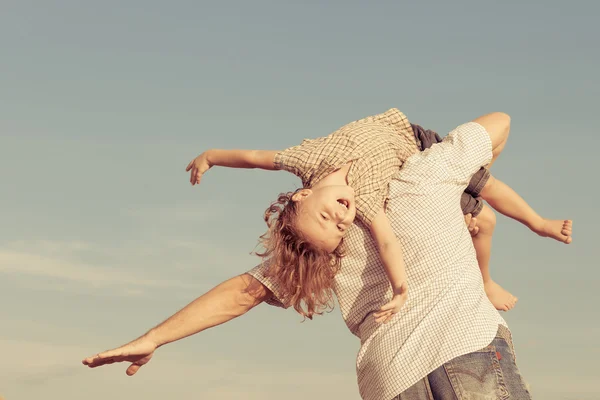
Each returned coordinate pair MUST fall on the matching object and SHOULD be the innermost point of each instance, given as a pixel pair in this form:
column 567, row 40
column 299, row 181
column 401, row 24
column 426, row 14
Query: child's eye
column 324, row 217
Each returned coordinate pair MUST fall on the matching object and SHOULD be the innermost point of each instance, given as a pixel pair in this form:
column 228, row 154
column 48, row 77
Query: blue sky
column 103, row 104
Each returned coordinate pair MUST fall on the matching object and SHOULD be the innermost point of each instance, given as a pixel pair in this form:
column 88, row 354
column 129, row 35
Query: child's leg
column 500, row 298
column 472, row 204
column 497, row 125
column 503, row 199
column 506, row 201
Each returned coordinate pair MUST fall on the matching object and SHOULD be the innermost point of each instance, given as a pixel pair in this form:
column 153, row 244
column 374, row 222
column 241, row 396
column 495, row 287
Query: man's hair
column 303, row 272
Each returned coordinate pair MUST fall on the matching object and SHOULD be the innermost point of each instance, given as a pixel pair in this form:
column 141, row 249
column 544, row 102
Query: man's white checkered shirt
column 447, row 313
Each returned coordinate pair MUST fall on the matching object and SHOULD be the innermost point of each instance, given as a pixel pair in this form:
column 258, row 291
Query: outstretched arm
column 223, row 303
column 391, row 255
column 263, row 159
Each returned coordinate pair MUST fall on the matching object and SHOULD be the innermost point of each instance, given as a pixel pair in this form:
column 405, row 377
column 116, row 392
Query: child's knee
column 497, row 125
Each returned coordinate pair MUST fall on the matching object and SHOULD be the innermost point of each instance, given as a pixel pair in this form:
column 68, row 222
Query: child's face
column 324, row 214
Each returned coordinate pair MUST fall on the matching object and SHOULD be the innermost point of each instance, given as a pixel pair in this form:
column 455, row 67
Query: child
column 344, row 175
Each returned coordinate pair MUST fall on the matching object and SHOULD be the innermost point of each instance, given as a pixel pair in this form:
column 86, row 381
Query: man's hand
column 198, row 166
column 138, row 353
column 387, row 311
column 472, row 224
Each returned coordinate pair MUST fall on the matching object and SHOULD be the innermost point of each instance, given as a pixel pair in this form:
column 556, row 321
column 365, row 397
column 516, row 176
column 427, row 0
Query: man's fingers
column 473, row 223
column 111, row 354
column 107, row 357
column 133, row 368
column 468, row 219
column 193, row 175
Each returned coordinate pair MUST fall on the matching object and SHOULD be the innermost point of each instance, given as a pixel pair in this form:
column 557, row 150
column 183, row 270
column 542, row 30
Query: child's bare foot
column 500, row 298
column 557, row 229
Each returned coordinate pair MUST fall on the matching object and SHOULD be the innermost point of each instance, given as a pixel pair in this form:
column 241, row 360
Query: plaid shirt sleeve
column 260, row 274
column 303, row 160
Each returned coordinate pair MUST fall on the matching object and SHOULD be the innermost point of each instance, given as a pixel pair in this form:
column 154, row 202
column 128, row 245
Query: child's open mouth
column 344, row 203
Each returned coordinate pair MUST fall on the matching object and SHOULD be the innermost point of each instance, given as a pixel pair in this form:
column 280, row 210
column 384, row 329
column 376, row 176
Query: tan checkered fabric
column 447, row 313
column 376, row 145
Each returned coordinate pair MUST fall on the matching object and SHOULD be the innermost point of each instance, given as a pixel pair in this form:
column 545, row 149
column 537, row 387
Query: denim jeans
column 488, row 374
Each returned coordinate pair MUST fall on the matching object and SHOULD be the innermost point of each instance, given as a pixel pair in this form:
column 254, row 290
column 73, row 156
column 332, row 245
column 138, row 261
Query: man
column 448, row 342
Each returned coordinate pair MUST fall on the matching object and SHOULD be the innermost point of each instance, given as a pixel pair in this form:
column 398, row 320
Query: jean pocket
column 477, row 376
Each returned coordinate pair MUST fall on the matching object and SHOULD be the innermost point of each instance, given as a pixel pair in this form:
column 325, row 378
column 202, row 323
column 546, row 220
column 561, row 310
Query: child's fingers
column 381, row 314
column 387, row 307
column 388, row 319
column 384, row 317
column 189, row 166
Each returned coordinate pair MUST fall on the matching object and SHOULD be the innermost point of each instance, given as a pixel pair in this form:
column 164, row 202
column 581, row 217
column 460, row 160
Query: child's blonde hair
column 304, row 272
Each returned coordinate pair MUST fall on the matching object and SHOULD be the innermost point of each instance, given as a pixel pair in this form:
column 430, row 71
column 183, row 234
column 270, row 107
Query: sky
column 103, row 104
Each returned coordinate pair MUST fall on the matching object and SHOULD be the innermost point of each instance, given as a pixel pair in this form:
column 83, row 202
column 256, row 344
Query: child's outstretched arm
column 263, row 159
column 391, row 255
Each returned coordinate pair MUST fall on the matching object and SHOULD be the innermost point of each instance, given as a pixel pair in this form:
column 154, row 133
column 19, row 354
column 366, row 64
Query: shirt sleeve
column 371, row 188
column 303, row 160
column 395, row 119
column 368, row 205
column 260, row 274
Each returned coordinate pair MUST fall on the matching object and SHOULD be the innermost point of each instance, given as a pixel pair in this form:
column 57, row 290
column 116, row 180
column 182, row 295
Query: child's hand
column 198, row 166
column 387, row 311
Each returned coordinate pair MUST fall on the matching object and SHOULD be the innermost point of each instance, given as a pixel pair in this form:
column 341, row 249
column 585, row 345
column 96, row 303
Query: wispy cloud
column 196, row 213
column 127, row 268
column 55, row 260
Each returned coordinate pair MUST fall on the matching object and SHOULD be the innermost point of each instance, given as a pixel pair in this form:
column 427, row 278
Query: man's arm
column 226, row 301
column 263, row 159
column 223, row 303
column 392, row 257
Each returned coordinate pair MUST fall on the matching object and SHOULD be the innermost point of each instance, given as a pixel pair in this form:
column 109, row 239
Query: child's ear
column 301, row 195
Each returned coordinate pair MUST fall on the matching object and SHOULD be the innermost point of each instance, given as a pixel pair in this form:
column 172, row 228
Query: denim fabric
column 488, row 374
